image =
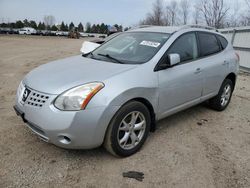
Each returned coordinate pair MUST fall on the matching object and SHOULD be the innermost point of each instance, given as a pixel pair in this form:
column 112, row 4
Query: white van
column 27, row 31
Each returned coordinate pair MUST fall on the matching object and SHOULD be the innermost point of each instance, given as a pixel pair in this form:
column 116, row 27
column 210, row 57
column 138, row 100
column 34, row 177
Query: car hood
column 61, row 75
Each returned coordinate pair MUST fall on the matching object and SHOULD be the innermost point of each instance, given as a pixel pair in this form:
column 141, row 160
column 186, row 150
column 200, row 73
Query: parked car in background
column 59, row 33
column 15, row 31
column 114, row 94
column 5, row 30
column 27, row 31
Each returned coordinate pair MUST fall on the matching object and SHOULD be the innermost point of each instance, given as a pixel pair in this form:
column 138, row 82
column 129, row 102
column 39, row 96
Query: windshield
column 131, row 48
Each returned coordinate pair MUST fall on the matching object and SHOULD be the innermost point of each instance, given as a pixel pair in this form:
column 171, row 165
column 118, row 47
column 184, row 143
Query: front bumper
column 34, row 128
column 83, row 129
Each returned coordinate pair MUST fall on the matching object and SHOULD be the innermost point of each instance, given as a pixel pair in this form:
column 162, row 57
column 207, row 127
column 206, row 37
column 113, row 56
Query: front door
column 181, row 85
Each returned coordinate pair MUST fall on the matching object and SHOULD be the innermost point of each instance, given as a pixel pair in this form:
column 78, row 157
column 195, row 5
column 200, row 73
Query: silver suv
column 115, row 94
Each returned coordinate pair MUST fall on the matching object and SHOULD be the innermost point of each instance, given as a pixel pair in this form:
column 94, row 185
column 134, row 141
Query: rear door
column 214, row 63
column 181, row 85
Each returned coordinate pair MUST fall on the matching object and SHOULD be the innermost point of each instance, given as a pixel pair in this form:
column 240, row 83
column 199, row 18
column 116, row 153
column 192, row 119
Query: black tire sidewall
column 124, row 111
column 216, row 102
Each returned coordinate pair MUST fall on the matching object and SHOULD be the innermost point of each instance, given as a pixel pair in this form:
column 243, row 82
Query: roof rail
column 140, row 26
column 144, row 26
column 198, row 26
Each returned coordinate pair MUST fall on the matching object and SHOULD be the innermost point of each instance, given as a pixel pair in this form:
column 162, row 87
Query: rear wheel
column 128, row 129
column 222, row 100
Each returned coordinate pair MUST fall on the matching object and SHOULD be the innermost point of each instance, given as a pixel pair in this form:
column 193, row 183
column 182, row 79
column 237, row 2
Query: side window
column 223, row 41
column 185, row 46
column 208, row 44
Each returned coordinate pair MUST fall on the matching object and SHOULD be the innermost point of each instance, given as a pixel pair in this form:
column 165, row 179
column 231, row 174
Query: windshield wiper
column 110, row 57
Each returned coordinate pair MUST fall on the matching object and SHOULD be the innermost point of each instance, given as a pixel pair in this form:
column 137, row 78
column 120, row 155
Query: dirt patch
column 223, row 170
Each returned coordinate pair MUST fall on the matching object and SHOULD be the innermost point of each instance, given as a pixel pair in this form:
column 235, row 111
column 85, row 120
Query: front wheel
column 222, row 100
column 128, row 129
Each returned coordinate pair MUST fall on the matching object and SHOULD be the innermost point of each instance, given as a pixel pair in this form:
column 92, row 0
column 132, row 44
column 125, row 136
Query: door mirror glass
column 88, row 47
column 174, row 59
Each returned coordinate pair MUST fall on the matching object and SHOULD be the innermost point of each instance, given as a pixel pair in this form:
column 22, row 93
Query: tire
column 122, row 139
column 222, row 100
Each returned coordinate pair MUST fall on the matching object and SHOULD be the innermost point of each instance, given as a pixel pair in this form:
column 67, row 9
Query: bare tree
column 157, row 15
column 196, row 15
column 214, row 12
column 245, row 17
column 235, row 18
column 172, row 11
column 49, row 20
column 248, row 3
column 158, row 12
column 184, row 5
column 167, row 17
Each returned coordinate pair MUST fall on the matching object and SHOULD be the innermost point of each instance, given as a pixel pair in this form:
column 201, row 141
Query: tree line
column 214, row 13
column 49, row 24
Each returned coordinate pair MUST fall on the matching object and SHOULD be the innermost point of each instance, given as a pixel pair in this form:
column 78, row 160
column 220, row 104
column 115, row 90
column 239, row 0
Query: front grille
column 37, row 99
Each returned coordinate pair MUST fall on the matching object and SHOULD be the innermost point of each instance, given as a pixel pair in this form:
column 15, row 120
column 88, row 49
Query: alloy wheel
column 131, row 130
column 225, row 97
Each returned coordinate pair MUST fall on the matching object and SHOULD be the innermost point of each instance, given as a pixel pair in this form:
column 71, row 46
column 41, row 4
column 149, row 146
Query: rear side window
column 186, row 47
column 223, row 41
column 208, row 44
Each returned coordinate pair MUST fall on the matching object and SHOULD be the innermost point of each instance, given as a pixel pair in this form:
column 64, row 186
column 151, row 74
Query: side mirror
column 174, row 59
column 88, row 47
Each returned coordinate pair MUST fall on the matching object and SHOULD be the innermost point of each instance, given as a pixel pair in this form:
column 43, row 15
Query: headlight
column 77, row 98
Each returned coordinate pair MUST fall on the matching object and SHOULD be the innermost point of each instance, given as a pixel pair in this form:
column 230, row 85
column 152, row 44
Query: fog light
column 64, row 139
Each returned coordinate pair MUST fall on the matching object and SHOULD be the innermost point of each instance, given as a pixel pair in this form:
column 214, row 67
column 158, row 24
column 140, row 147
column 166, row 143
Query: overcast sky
column 125, row 12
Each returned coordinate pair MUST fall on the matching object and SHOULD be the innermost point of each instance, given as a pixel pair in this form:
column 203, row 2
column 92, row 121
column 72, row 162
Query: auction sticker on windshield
column 150, row 43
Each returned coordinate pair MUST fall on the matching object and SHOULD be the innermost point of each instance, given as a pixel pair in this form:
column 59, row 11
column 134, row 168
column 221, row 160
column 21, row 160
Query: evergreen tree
column 66, row 27
column 54, row 28
column 71, row 26
column 63, row 28
column 26, row 23
column 4, row 25
column 41, row 26
column 80, row 27
column 19, row 24
column 103, row 29
column 88, row 27
column 94, row 29
column 120, row 28
column 33, row 24
column 12, row 25
column 98, row 28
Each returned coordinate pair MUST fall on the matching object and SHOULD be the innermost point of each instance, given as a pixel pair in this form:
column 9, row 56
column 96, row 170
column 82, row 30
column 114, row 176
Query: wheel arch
column 232, row 76
column 148, row 105
column 150, row 108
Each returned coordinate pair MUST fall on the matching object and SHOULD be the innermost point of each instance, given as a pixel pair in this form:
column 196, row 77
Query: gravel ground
column 195, row 148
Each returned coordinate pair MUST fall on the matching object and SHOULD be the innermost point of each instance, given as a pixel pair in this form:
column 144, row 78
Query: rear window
column 223, row 41
column 208, row 44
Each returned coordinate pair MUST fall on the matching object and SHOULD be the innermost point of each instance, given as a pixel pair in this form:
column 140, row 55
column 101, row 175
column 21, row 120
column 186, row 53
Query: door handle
column 198, row 71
